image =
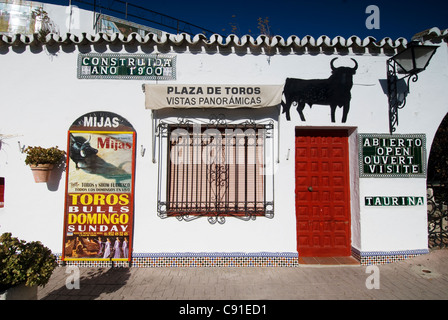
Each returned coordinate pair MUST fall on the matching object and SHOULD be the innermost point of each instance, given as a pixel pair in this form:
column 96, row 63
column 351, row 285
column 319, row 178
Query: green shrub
column 30, row 263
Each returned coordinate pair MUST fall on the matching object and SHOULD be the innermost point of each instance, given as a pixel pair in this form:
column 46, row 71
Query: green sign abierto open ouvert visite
column 382, row 155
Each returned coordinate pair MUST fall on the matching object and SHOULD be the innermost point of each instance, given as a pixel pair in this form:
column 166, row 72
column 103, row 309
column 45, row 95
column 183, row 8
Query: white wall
column 41, row 97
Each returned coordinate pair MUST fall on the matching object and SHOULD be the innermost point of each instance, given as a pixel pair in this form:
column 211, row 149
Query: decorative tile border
column 223, row 259
column 92, row 263
column 384, row 257
column 153, row 260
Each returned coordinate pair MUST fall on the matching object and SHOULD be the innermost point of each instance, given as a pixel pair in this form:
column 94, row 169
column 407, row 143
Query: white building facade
column 203, row 166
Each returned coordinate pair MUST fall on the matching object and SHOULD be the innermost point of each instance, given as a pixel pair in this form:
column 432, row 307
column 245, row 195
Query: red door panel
column 322, row 193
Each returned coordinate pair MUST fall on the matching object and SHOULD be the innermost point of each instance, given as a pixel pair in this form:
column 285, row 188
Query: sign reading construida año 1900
column 127, row 66
column 392, row 155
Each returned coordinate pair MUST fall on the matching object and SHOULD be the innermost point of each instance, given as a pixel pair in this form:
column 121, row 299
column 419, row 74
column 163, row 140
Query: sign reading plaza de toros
column 392, row 155
column 161, row 96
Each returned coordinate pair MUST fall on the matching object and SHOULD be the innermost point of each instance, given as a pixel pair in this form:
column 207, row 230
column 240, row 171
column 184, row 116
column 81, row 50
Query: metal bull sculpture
column 334, row 91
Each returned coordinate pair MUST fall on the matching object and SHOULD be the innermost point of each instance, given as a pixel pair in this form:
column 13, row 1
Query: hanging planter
column 41, row 172
column 42, row 161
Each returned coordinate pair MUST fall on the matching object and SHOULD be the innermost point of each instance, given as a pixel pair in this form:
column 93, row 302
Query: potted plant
column 23, row 267
column 42, row 160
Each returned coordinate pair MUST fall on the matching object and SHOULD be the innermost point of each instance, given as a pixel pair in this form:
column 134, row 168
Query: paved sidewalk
column 423, row 277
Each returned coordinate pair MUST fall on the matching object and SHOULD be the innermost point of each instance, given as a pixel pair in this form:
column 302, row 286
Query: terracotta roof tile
column 292, row 43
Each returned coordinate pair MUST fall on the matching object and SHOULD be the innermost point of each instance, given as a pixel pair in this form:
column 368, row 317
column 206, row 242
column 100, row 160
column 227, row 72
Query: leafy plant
column 264, row 27
column 39, row 155
column 30, row 263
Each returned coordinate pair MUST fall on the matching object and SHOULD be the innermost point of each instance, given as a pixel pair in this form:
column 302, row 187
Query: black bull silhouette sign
column 334, row 91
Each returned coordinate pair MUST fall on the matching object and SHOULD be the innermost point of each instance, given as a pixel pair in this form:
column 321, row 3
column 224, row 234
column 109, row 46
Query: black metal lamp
column 411, row 61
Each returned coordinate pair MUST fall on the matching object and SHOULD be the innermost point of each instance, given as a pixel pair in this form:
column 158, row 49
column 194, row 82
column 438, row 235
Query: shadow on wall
column 402, row 90
column 55, row 177
column 92, row 283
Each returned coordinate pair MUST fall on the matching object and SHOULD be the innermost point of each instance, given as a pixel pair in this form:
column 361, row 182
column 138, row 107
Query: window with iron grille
column 216, row 171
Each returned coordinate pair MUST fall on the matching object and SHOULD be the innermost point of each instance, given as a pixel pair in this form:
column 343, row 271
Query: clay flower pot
column 41, row 172
column 42, row 160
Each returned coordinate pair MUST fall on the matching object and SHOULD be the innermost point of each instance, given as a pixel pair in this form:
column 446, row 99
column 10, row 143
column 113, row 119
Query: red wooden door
column 322, row 193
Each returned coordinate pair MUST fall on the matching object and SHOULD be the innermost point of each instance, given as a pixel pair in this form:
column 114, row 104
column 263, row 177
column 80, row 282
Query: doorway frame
column 353, row 165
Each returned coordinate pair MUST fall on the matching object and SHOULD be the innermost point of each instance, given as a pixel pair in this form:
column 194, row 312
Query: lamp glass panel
column 404, row 59
column 422, row 56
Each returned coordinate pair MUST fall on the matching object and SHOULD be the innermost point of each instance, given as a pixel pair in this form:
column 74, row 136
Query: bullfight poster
column 99, row 203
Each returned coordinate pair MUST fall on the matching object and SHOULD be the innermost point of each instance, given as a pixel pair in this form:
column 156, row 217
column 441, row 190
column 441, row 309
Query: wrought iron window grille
column 215, row 170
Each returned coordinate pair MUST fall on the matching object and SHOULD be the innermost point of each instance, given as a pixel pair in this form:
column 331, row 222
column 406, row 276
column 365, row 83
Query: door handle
column 310, row 189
